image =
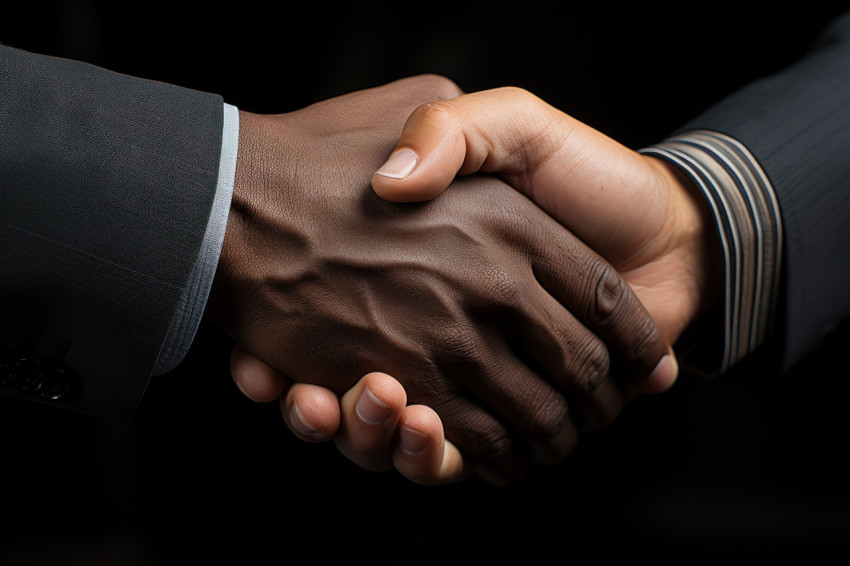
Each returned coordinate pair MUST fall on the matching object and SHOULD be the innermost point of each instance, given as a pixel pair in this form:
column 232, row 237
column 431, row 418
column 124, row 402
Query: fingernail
column 399, row 165
column 370, row 409
column 664, row 374
column 299, row 423
column 412, row 441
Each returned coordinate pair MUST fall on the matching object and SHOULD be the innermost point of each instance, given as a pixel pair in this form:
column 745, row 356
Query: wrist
column 747, row 225
column 242, row 202
column 697, row 229
column 678, row 271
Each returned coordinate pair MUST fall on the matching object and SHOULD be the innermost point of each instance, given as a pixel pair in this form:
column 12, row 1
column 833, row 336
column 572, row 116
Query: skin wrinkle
column 650, row 334
column 609, row 293
column 595, row 367
column 537, row 153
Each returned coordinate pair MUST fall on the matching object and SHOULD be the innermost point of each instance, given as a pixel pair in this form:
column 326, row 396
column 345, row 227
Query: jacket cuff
column 190, row 310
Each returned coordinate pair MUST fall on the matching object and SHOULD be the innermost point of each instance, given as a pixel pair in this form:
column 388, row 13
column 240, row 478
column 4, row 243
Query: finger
column 378, row 432
column 499, row 456
column 533, row 414
column 557, row 345
column 431, row 152
column 257, row 380
column 662, row 377
column 422, row 454
column 465, row 134
column 369, row 414
column 597, row 295
column 311, row 412
column 498, row 453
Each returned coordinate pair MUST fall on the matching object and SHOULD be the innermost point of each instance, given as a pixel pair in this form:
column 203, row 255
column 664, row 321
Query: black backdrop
column 748, row 463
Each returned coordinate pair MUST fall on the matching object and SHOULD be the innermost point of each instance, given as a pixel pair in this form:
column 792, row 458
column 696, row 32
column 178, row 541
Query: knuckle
column 494, row 445
column 517, row 93
column 546, row 423
column 594, row 366
column 431, row 388
column 459, row 342
column 439, row 113
column 608, row 295
column 502, row 287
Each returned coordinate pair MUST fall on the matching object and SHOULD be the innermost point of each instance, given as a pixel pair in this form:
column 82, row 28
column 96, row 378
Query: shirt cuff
column 749, row 225
column 190, row 310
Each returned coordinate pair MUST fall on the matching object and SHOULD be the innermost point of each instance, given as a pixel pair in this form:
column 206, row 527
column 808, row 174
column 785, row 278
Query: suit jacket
column 106, row 185
column 797, row 125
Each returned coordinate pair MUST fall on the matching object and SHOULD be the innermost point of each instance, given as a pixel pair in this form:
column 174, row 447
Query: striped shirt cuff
column 749, row 225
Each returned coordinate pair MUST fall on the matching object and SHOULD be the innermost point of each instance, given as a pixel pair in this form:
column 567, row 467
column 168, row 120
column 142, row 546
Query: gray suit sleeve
column 192, row 305
column 797, row 126
column 106, row 187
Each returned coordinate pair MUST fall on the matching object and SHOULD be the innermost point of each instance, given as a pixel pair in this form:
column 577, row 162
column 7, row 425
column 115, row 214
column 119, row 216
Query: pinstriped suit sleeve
column 106, row 187
column 792, row 130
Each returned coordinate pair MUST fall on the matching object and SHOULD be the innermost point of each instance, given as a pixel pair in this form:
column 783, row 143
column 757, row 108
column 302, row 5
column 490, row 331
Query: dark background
column 747, row 463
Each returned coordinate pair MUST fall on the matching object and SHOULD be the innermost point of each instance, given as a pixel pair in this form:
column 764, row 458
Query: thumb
column 490, row 131
column 429, row 155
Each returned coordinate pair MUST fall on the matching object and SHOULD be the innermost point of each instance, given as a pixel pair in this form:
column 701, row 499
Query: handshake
column 444, row 283
column 455, row 284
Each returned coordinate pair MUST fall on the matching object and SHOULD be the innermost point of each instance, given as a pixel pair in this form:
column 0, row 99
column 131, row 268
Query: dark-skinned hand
column 484, row 307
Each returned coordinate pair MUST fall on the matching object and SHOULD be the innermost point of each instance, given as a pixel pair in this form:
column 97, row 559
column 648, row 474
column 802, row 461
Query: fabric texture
column 106, row 187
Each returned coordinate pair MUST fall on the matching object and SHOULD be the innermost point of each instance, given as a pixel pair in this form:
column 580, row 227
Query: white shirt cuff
column 190, row 310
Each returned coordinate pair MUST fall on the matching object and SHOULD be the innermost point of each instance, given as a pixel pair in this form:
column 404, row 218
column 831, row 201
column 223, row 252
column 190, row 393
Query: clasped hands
column 445, row 323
